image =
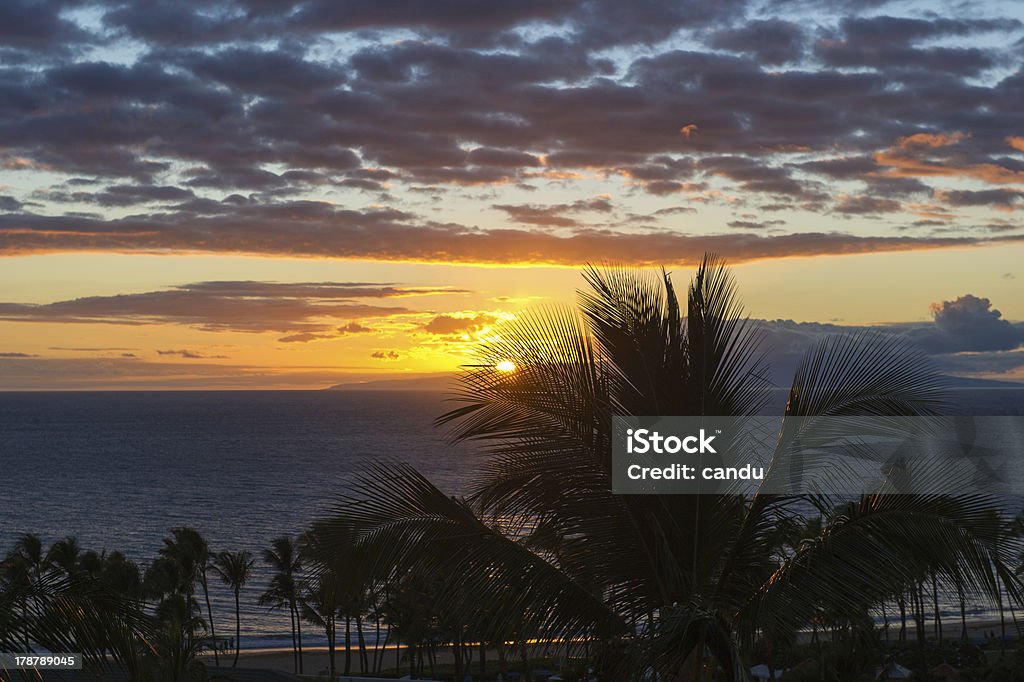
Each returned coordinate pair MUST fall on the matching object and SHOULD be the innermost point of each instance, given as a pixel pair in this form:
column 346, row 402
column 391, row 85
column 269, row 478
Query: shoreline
column 315, row 658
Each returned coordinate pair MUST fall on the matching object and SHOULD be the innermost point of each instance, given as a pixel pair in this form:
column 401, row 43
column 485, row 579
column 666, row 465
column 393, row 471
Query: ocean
column 118, row 470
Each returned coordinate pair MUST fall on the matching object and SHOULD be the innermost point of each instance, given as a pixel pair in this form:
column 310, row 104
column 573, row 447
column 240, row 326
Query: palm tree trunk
column 209, row 616
column 902, row 602
column 920, row 608
column 376, row 637
column 298, row 632
column 457, row 656
column 364, row 661
column 295, row 650
column 963, row 610
column 483, row 659
column 330, row 624
column 935, row 604
column 238, row 629
column 348, row 645
column 1002, row 619
column 382, row 649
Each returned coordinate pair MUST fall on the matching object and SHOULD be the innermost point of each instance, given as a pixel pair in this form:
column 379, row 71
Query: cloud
column 554, row 215
column 190, row 354
column 537, row 215
column 968, row 323
column 449, row 325
column 91, row 349
column 966, row 336
column 9, row 203
column 17, row 355
column 1001, row 197
column 772, row 41
column 863, row 205
column 385, row 355
column 134, row 373
column 256, row 128
column 995, row 364
column 343, row 330
column 754, row 224
column 240, row 306
column 327, row 232
column 353, row 328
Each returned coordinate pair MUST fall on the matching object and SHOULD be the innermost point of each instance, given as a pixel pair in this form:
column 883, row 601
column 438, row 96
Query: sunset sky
column 257, row 194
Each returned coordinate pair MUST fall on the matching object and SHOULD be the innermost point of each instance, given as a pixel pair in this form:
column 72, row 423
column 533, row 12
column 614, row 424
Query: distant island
column 431, row 382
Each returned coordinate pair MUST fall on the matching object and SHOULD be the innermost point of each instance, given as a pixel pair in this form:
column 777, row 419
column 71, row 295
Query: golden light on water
column 505, row 366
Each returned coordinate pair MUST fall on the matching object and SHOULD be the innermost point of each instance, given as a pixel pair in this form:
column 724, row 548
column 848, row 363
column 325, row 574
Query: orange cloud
column 908, row 158
column 933, row 140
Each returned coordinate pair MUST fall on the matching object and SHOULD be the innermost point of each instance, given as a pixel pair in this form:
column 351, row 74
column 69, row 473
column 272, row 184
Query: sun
column 505, row 366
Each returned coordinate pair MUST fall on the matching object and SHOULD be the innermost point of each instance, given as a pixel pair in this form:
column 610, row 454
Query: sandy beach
column 315, row 659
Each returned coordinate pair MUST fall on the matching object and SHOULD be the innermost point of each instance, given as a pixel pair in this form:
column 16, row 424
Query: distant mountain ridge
column 433, row 382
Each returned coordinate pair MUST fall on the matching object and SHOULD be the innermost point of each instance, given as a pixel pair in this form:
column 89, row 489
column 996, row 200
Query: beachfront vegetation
column 542, row 556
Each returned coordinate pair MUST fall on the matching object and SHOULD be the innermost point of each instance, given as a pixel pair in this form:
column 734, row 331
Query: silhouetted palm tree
column 44, row 606
column 285, row 559
column 64, row 554
column 706, row 572
column 234, row 569
column 190, row 552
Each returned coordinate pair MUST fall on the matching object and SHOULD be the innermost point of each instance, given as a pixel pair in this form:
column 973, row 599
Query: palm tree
column 285, row 559
column 64, row 554
column 705, row 571
column 234, row 569
column 24, row 567
column 321, row 594
column 189, row 551
column 65, row 606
